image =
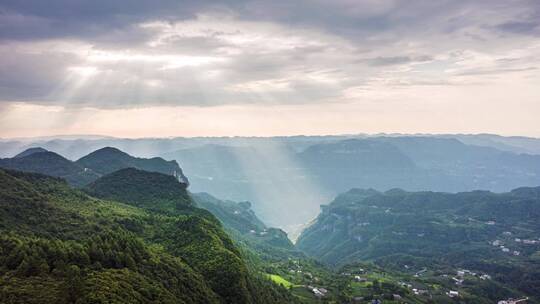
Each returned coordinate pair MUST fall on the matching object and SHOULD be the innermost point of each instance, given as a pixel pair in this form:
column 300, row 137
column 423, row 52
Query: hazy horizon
column 390, row 134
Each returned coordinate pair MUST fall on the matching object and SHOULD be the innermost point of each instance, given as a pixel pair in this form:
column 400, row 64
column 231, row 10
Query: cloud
column 526, row 28
column 115, row 55
column 382, row 61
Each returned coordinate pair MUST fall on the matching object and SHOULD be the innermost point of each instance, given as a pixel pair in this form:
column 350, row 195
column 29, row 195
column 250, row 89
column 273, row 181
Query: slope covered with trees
column 30, row 151
column 241, row 223
column 150, row 190
column 50, row 163
column 60, row 245
column 108, row 160
column 496, row 234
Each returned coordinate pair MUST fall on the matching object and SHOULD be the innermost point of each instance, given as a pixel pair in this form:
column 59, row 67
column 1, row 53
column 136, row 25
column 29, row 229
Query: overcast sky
column 190, row 68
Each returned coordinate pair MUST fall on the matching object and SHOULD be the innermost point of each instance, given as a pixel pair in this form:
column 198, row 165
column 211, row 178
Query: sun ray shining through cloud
column 370, row 57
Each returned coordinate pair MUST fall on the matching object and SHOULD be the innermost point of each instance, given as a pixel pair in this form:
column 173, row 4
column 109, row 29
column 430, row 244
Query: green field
column 280, row 280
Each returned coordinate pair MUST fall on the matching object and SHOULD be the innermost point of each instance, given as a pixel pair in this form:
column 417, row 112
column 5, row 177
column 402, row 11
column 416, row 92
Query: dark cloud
column 383, row 61
column 33, row 19
column 517, row 27
column 65, row 18
column 170, row 52
column 31, row 76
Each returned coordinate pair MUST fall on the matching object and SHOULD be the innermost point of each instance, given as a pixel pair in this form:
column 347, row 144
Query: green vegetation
column 30, row 151
column 59, row 245
column 108, row 160
column 134, row 236
column 49, row 163
column 433, row 235
column 280, row 280
column 150, row 190
column 233, row 215
column 268, row 244
column 90, row 167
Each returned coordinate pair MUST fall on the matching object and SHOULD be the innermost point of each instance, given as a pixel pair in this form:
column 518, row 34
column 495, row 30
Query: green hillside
column 50, row 163
column 30, row 151
column 494, row 234
column 88, row 168
column 60, row 245
column 267, row 243
column 150, row 190
column 108, row 160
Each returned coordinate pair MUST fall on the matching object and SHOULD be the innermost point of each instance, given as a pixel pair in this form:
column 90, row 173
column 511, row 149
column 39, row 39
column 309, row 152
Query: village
column 510, row 244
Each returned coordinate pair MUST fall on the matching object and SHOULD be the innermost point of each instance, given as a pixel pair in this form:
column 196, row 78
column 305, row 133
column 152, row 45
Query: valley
column 366, row 245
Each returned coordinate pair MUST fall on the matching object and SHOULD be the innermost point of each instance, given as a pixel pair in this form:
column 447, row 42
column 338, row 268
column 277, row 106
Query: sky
column 262, row 68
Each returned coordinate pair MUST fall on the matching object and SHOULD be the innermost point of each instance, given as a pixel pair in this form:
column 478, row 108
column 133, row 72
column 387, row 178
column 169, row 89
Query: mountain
column 88, row 168
column 30, row 151
column 485, row 232
column 326, row 166
column 418, row 163
column 270, row 244
column 51, row 164
column 234, row 215
column 366, row 154
column 59, row 245
column 217, row 169
column 516, row 144
column 151, row 190
column 311, row 170
column 108, row 160
column 341, row 165
column 461, row 164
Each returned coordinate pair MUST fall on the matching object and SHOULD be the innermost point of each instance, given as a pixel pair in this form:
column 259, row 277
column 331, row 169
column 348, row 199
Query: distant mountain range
column 41, row 161
column 88, row 168
column 326, row 168
column 310, row 170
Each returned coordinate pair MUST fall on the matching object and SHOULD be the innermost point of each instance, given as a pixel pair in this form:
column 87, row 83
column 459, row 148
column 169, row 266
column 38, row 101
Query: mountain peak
column 109, row 159
column 109, row 151
column 30, row 151
column 52, row 164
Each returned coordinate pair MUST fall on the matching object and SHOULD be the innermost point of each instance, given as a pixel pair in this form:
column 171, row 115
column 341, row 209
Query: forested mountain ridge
column 50, row 163
column 244, row 168
column 30, row 151
column 108, row 160
column 60, row 245
column 498, row 234
column 270, row 244
column 90, row 167
column 150, row 190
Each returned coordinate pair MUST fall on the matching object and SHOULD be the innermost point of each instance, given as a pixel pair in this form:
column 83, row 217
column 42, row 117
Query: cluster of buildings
column 359, row 279
column 262, row 233
column 527, row 241
column 519, row 240
column 362, row 300
column 513, row 301
column 453, row 293
column 508, row 235
column 461, row 273
column 498, row 243
column 319, row 292
column 415, row 291
column 420, row 292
